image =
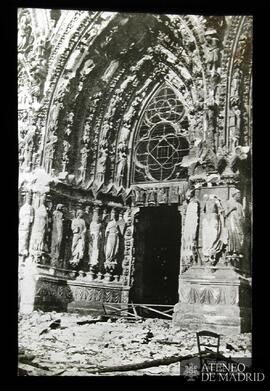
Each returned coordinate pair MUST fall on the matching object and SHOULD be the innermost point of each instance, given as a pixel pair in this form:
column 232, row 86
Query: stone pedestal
column 49, row 289
column 27, row 287
column 213, row 298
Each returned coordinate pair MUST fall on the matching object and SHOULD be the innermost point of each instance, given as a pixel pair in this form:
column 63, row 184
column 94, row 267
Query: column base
column 214, row 299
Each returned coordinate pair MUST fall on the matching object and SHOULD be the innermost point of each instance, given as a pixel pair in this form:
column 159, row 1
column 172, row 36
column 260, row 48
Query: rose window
column 161, row 143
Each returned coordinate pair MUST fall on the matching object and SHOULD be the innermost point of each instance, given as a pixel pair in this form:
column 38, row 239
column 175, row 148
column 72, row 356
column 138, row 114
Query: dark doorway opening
column 157, row 255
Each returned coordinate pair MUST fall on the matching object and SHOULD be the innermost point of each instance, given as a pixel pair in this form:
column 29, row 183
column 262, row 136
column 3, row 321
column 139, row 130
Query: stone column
column 128, row 260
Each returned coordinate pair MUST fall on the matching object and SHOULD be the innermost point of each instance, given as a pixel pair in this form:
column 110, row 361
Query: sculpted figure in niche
column 162, row 196
column 121, row 165
column 65, row 157
column 139, row 196
column 39, row 227
column 50, row 150
column 84, row 155
column 40, row 46
column 190, row 230
column 57, row 233
column 95, row 236
column 78, row 228
column 26, row 216
column 152, row 197
column 213, row 232
column 102, row 162
column 24, row 33
column 235, row 134
column 111, row 240
column 235, row 86
column 212, row 54
column 69, row 123
column 28, row 142
column 235, row 223
column 38, row 68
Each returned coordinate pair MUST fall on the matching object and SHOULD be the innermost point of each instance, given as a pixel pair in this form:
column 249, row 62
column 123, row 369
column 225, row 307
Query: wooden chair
column 208, row 346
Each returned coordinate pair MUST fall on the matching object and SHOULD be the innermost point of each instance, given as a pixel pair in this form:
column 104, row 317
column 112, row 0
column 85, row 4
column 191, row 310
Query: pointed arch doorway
column 157, row 241
column 160, row 143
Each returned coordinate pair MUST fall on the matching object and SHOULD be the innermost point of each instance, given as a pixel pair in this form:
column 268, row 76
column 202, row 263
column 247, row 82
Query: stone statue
column 95, row 236
column 152, row 197
column 24, row 33
column 69, row 123
column 102, row 161
column 212, row 55
column 234, row 220
column 213, row 232
column 40, row 46
column 39, row 227
column 121, row 165
column 139, row 196
column 78, row 228
column 111, row 241
column 86, row 133
column 28, row 145
column 50, row 150
column 38, row 69
column 65, row 157
column 26, row 216
column 84, row 155
column 125, row 131
column 190, row 229
column 57, row 233
column 162, row 196
column 235, row 86
column 235, row 134
column 63, row 89
column 110, row 70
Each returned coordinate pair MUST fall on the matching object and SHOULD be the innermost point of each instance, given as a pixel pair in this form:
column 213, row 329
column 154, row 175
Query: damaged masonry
column 135, row 204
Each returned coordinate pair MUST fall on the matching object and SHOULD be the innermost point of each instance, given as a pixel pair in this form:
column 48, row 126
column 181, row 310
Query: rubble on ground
column 68, row 344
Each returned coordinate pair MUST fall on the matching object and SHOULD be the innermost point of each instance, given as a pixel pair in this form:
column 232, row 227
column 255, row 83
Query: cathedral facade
column 135, row 135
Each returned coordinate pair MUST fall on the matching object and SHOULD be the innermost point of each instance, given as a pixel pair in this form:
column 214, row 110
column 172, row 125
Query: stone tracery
column 87, row 96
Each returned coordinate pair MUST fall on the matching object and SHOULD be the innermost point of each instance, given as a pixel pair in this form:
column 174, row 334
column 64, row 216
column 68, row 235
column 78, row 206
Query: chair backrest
column 208, row 339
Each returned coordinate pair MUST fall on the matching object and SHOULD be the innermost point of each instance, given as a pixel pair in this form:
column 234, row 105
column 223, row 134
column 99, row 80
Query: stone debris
column 53, row 325
column 75, row 345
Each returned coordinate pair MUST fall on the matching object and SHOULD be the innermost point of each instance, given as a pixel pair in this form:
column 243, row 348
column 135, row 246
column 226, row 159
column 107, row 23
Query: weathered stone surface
column 122, row 113
column 214, row 299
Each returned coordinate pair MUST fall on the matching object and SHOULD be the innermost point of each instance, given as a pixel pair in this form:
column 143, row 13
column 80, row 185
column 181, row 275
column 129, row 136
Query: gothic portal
column 135, row 135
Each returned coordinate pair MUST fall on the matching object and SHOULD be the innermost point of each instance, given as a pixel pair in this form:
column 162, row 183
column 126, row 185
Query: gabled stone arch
column 69, row 62
column 163, row 71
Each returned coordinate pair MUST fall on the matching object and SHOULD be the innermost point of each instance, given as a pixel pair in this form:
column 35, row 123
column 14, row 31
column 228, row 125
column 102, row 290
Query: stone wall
column 86, row 83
